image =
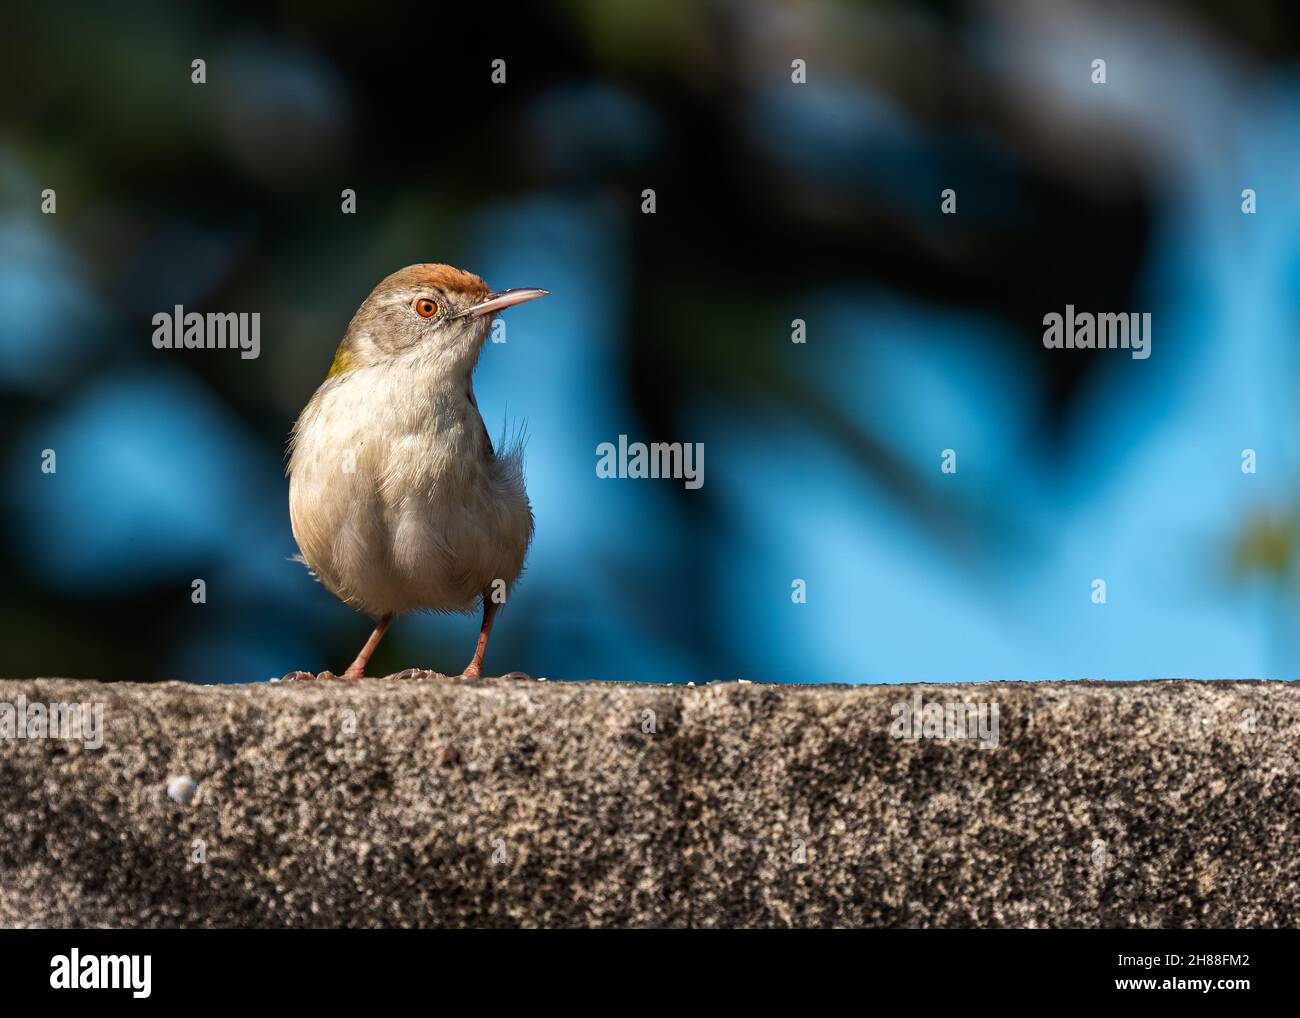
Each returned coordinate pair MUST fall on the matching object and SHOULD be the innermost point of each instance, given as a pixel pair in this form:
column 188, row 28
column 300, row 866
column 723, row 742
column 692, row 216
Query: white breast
column 396, row 499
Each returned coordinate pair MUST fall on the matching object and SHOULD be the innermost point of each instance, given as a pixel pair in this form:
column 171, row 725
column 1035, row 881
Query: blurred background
column 775, row 201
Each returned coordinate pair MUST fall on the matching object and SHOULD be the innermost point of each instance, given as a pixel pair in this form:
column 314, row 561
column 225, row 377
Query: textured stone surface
column 512, row 802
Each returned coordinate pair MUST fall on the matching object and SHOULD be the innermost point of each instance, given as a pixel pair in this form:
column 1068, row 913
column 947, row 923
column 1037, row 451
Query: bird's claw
column 416, row 674
column 419, row 674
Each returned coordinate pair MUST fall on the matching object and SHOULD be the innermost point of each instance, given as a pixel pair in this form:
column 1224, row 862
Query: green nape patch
column 343, row 362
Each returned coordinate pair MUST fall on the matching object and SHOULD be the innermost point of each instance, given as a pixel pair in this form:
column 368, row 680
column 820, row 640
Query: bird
column 398, row 500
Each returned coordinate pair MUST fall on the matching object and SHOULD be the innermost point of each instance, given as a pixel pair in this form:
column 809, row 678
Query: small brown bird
column 397, row 498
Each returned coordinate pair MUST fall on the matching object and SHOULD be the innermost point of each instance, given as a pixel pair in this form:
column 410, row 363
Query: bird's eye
column 425, row 308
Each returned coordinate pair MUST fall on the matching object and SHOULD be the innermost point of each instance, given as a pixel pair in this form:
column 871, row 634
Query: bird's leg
column 357, row 670
column 474, row 669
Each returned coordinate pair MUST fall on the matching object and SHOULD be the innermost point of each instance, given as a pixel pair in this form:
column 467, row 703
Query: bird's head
column 440, row 311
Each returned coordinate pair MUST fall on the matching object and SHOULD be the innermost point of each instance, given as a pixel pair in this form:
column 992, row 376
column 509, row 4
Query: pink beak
column 500, row 300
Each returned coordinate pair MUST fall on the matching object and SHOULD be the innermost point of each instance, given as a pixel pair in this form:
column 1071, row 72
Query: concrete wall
column 513, row 802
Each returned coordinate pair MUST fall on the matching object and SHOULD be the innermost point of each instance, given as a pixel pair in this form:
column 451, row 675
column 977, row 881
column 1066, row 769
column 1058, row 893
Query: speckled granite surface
column 513, row 802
